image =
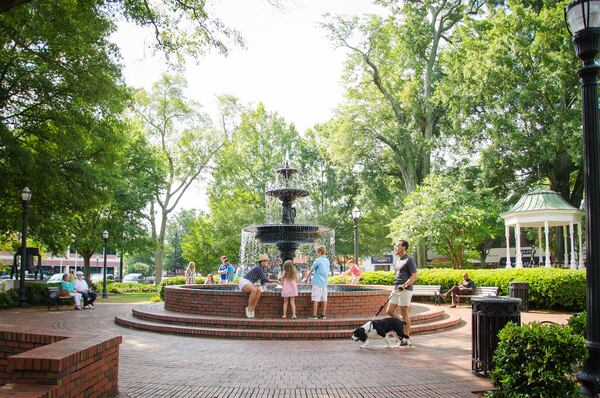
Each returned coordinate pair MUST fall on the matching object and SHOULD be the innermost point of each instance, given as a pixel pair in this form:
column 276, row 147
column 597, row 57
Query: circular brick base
column 228, row 301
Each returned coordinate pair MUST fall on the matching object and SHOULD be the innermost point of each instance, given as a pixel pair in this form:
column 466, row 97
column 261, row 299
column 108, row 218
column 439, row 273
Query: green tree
column 184, row 140
column 512, row 95
column 390, row 120
column 451, row 214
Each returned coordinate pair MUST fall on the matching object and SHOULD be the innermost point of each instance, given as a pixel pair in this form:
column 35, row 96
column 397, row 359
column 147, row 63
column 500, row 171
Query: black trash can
column 520, row 290
column 490, row 315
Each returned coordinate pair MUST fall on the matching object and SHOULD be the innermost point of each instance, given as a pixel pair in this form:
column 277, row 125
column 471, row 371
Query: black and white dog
column 379, row 329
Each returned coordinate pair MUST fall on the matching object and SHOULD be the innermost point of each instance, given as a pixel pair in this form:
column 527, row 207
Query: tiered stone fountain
column 218, row 310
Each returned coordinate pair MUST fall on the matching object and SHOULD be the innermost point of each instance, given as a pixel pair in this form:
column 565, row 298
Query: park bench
column 54, row 297
column 426, row 291
column 481, row 291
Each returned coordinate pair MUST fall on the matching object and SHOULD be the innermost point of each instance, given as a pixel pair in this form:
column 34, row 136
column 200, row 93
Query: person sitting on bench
column 68, row 286
column 465, row 288
column 89, row 296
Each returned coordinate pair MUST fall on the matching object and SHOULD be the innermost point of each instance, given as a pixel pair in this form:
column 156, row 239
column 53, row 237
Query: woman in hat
column 250, row 278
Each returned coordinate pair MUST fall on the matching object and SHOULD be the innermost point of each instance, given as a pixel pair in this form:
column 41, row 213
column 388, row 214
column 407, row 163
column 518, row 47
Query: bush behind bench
column 552, row 288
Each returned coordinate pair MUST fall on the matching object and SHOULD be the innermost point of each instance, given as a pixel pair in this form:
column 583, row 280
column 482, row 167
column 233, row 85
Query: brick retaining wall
column 38, row 364
column 229, row 302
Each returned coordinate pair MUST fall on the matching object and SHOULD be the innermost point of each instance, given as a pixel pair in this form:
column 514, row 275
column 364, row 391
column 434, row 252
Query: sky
column 289, row 64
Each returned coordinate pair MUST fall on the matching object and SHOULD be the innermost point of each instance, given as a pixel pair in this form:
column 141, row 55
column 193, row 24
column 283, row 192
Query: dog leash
column 384, row 304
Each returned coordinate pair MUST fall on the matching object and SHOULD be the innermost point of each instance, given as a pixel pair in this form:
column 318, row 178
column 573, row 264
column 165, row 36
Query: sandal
column 284, row 317
column 293, row 316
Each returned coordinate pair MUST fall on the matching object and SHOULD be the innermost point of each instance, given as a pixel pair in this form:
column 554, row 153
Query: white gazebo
column 544, row 208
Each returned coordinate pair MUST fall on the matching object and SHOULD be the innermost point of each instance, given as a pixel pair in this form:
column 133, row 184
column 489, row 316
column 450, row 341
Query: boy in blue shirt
column 319, row 272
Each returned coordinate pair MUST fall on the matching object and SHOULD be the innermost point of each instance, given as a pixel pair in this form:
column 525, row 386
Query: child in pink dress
column 289, row 287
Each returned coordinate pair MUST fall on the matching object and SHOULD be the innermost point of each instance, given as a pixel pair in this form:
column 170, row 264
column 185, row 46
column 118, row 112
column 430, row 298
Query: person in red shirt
column 353, row 272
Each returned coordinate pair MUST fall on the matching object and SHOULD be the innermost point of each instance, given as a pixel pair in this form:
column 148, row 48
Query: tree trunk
column 86, row 266
column 160, row 248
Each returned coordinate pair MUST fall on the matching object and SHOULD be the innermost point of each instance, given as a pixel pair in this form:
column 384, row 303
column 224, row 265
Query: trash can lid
column 496, row 299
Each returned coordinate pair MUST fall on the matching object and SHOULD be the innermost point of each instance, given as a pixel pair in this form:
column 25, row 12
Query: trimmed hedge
column 122, row 288
column 548, row 288
column 176, row 280
column 578, row 323
column 537, row 360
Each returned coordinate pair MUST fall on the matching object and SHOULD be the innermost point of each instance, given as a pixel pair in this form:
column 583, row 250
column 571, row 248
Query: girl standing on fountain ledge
column 246, row 284
column 289, row 287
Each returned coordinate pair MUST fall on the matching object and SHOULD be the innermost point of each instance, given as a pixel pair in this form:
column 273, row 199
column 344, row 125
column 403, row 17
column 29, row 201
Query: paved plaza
column 160, row 365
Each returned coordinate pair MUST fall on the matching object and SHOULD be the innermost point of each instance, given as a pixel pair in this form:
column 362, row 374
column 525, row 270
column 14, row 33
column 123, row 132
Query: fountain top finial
column 286, row 171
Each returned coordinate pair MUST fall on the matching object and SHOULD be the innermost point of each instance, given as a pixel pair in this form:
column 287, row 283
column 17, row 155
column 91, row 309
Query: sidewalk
column 159, row 365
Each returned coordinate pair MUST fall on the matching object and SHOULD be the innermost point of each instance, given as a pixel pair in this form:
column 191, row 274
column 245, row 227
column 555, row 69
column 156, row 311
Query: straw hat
column 263, row 257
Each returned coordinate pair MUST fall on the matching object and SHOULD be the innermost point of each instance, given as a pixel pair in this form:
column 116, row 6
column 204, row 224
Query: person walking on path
column 318, row 274
column 246, row 284
column 190, row 273
column 465, row 288
column 289, row 287
column 405, row 276
column 222, row 271
column 68, row 286
column 81, row 286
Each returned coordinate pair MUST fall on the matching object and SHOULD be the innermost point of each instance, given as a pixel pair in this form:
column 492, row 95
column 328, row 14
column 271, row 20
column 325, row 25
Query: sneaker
column 253, row 313
column 87, row 307
column 92, row 306
column 77, row 307
column 293, row 316
column 322, row 317
column 313, row 317
column 248, row 312
column 406, row 342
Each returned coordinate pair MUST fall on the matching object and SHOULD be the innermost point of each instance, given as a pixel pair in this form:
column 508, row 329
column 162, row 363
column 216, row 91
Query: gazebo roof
column 539, row 206
column 541, row 199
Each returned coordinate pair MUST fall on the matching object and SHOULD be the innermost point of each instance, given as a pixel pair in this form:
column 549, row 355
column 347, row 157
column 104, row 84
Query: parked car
column 95, row 278
column 133, row 278
column 55, row 278
column 152, row 279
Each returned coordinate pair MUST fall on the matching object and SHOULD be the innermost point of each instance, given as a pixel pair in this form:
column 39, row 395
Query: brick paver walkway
column 158, row 365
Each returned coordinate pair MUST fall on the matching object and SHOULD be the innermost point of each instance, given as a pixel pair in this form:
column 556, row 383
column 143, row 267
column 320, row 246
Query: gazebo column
column 572, row 239
column 519, row 262
column 547, row 263
column 540, row 250
column 581, row 264
column 507, row 233
column 565, row 247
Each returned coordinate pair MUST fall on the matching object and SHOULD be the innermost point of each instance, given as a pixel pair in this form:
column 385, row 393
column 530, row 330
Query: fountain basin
column 228, row 301
column 287, row 233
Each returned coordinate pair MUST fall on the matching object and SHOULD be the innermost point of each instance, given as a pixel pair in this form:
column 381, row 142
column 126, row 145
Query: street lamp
column 105, row 237
column 25, row 198
column 355, row 218
column 583, row 23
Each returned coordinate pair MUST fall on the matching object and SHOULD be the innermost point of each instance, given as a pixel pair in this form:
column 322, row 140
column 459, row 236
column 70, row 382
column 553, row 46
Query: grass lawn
column 126, row 298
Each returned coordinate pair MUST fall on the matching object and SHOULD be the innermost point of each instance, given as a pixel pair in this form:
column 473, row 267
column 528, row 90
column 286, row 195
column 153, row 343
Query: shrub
column 176, row 280
column 123, row 288
column 37, row 293
column 537, row 360
column 9, row 299
column 548, row 288
column 578, row 323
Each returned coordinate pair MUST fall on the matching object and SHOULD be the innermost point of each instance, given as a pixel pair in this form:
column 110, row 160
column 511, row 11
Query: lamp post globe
column 355, row 218
column 25, row 198
column 105, row 238
column 582, row 18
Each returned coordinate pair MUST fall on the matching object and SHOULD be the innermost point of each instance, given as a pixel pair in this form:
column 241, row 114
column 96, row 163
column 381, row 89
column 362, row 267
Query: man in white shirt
column 82, row 287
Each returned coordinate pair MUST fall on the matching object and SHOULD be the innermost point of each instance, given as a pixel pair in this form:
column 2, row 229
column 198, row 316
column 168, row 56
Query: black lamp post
column 105, row 237
column 355, row 218
column 25, row 198
column 583, row 22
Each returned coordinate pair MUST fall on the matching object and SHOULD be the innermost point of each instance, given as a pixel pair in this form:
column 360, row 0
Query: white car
column 133, row 278
column 55, row 278
column 95, row 278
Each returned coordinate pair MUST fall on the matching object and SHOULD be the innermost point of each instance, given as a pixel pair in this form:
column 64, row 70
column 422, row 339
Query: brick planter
column 228, row 301
column 38, row 364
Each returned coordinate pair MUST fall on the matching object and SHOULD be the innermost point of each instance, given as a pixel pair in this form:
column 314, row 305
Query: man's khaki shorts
column 401, row 297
